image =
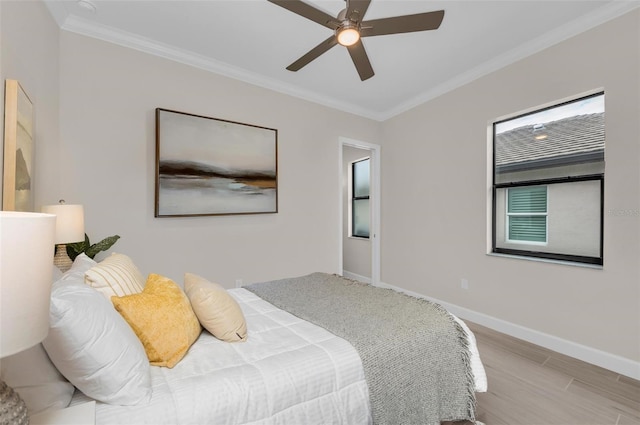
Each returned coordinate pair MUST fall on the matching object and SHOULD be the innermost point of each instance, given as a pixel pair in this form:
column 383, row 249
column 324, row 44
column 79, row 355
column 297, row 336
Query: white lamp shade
column 26, row 254
column 69, row 222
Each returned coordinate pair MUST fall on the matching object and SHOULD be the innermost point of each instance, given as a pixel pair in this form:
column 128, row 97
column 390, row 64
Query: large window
column 360, row 198
column 548, row 182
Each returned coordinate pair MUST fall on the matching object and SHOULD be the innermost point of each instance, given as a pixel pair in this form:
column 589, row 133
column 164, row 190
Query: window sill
column 359, row 238
column 547, row 260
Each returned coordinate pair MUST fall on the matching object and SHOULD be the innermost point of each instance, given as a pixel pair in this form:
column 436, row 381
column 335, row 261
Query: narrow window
column 527, row 214
column 548, row 182
column 360, row 199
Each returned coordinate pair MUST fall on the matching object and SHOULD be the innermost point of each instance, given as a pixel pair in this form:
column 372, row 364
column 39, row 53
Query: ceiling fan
column 349, row 28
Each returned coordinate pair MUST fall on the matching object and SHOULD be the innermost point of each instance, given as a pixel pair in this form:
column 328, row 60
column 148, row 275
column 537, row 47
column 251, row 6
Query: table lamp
column 69, row 228
column 26, row 248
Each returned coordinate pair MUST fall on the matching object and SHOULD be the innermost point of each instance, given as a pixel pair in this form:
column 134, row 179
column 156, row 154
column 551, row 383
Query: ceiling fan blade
column 307, row 11
column 313, row 53
column 361, row 60
column 356, row 9
column 402, row 24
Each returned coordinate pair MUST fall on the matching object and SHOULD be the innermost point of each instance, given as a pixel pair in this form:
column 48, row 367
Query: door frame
column 374, row 218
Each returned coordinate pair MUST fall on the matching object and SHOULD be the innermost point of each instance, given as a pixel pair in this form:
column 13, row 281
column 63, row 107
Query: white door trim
column 375, row 210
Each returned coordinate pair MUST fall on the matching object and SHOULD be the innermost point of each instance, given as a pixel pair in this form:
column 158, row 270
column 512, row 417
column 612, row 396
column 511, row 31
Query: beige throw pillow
column 217, row 311
column 116, row 275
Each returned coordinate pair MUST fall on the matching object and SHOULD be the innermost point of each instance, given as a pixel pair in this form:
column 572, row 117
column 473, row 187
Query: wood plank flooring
column 530, row 385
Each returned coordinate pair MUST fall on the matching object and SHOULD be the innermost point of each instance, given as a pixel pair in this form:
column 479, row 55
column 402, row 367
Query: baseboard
column 355, row 276
column 587, row 354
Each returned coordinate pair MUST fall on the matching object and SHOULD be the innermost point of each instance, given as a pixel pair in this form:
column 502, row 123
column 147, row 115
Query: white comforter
column 289, row 371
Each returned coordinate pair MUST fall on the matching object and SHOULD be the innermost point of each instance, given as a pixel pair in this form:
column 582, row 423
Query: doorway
column 352, row 250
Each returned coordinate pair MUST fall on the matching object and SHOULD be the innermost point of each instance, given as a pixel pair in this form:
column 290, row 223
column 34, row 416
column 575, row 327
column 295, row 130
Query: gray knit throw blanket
column 415, row 355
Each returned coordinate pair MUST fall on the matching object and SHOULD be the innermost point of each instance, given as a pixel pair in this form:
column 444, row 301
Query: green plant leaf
column 103, row 245
column 77, row 248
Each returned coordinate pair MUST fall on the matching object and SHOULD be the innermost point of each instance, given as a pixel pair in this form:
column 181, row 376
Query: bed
column 288, row 370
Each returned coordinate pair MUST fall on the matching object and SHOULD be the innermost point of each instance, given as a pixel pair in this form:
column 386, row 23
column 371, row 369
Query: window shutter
column 527, row 208
column 531, row 229
column 532, row 199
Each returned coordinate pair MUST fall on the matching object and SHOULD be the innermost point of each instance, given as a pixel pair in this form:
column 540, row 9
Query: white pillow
column 116, row 275
column 31, row 372
column 94, row 348
column 57, row 274
column 37, row 380
column 80, row 265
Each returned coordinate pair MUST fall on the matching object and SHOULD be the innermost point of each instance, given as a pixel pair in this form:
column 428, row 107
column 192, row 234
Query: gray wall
column 444, row 228
column 113, row 142
column 29, row 49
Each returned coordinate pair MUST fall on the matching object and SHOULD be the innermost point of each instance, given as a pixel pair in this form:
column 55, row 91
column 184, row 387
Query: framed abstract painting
column 17, row 179
column 209, row 166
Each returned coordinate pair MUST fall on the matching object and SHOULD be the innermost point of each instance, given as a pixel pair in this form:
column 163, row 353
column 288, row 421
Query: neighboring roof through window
column 578, row 139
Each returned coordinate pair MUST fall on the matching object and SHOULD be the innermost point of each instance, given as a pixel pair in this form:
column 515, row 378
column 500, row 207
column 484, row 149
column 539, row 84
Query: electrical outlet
column 464, row 283
column 238, row 283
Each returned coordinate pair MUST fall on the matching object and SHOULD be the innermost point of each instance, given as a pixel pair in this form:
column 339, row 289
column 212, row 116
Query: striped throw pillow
column 116, row 275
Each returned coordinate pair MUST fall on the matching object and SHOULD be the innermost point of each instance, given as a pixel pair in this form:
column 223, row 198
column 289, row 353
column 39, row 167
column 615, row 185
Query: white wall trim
column 613, row 362
column 355, row 276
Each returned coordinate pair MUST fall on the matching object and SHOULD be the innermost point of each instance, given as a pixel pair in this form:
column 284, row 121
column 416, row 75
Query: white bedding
column 289, row 371
column 278, row 376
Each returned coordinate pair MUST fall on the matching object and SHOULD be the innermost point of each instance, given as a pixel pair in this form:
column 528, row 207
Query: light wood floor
column 531, row 385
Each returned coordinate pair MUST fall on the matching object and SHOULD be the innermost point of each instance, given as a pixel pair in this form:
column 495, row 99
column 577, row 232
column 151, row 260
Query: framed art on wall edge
column 17, row 179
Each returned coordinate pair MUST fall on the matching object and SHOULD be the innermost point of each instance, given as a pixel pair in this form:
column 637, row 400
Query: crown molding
column 122, row 38
column 571, row 29
column 87, row 28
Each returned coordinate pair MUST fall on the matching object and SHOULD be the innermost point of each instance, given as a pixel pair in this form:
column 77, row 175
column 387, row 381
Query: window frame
column 355, row 198
column 530, row 253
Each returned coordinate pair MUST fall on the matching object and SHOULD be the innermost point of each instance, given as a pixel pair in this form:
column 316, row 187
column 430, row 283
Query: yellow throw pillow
column 162, row 318
column 217, row 311
column 115, row 275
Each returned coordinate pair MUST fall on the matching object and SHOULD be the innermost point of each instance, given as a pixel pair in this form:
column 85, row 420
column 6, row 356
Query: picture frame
column 17, row 179
column 209, row 166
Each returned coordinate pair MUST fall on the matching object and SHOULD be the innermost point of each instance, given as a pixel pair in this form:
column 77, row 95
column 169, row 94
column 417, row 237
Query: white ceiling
column 254, row 40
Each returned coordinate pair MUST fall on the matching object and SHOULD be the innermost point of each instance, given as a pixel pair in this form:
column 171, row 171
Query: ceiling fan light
column 348, row 36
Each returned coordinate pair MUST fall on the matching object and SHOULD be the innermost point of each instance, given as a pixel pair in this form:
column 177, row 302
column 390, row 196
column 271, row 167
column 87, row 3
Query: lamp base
column 13, row 411
column 61, row 259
